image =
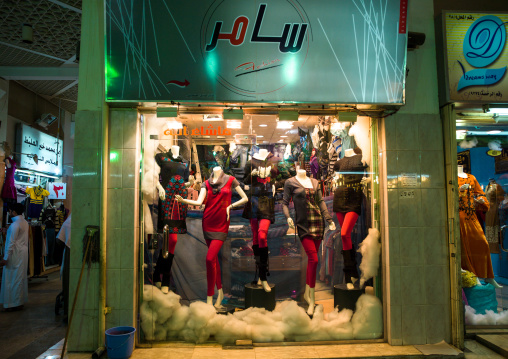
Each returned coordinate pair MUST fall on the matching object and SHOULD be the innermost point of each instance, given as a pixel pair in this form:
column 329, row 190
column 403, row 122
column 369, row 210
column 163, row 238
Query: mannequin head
column 313, row 153
column 301, row 173
column 217, row 171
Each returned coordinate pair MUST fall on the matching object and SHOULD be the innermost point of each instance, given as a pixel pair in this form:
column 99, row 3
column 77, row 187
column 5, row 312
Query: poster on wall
column 31, row 142
column 57, row 190
column 464, row 160
column 476, row 57
column 256, row 51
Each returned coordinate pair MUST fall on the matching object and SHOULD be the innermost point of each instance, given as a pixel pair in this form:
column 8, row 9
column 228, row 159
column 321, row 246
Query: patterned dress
column 495, row 195
column 475, row 256
column 314, row 217
column 173, row 175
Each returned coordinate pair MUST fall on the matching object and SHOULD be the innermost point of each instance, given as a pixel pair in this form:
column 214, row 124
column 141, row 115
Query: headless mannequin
column 464, row 187
column 260, row 228
column 309, row 295
column 217, row 172
column 172, row 237
column 347, row 222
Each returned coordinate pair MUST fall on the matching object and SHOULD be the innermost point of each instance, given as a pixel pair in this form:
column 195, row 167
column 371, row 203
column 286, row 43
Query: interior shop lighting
column 174, row 125
column 167, row 112
column 288, row 115
column 259, row 136
column 497, row 109
column 283, row 136
column 232, row 114
column 494, row 132
column 234, row 124
column 263, row 125
column 461, row 134
column 214, row 117
column 285, row 125
column 347, row 116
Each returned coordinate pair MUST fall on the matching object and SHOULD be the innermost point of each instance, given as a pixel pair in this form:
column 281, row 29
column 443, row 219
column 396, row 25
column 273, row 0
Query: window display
column 221, row 207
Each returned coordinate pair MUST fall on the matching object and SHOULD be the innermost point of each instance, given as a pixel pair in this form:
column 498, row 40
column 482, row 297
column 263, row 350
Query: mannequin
column 174, row 172
column 347, row 204
column 310, row 210
column 261, row 155
column 9, row 195
column 495, row 195
column 475, row 253
column 217, row 191
column 260, row 210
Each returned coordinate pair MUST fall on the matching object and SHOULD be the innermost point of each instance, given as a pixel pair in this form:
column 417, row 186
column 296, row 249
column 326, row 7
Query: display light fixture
column 497, row 109
column 232, row 114
column 284, row 125
column 167, row 112
column 347, row 116
column 263, row 125
column 288, row 115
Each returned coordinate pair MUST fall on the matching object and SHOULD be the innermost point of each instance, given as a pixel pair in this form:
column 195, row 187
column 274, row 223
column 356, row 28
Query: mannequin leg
column 255, row 246
column 264, row 225
column 168, row 262
column 347, row 221
column 311, row 247
column 212, row 266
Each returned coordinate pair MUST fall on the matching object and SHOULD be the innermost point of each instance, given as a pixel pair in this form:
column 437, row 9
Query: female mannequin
column 9, row 194
column 310, row 210
column 260, row 210
column 174, row 172
column 261, row 159
column 217, row 191
column 347, row 204
column 495, row 195
column 475, row 254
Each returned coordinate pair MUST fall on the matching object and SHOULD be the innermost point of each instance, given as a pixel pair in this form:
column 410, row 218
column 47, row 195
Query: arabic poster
column 477, row 57
column 256, row 51
column 48, row 149
column 57, row 190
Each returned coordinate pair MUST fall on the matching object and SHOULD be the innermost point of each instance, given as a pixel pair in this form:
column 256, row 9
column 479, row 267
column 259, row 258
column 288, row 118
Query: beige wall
column 417, row 287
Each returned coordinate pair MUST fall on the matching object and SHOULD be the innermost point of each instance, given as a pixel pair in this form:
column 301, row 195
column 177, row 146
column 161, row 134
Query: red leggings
column 173, row 238
column 213, row 277
column 259, row 230
column 347, row 222
column 311, row 247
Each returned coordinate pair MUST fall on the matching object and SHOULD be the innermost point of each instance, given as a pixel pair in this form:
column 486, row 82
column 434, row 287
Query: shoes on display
column 165, row 290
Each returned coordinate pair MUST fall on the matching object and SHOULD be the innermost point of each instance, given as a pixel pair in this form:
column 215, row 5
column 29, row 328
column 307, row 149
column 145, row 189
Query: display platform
column 346, row 298
column 255, row 296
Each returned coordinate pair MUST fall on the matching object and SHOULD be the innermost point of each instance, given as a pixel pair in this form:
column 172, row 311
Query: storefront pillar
column 89, row 182
column 417, row 291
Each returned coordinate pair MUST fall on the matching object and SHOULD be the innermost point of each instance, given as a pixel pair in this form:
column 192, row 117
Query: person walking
column 14, row 291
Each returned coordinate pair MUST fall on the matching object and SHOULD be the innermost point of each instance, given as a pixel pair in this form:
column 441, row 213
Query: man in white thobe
column 14, row 292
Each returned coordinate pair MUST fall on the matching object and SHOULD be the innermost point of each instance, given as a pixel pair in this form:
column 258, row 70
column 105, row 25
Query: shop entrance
column 258, row 155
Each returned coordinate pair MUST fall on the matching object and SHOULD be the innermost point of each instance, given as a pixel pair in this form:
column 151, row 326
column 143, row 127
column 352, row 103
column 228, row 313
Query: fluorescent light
column 259, row 136
column 233, row 124
column 494, row 132
column 283, row 136
column 280, row 141
column 174, row 125
column 496, row 110
column 263, row 125
column 284, row 125
column 215, row 117
column 265, row 141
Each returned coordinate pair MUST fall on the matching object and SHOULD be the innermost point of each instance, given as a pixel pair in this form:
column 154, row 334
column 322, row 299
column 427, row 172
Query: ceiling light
column 233, row 124
column 214, row 117
column 265, row 141
column 288, row 115
column 494, row 132
column 283, row 136
column 284, row 125
column 259, row 136
column 174, row 125
column 232, row 114
column 167, row 112
column 497, row 109
column 263, row 125
column 280, row 141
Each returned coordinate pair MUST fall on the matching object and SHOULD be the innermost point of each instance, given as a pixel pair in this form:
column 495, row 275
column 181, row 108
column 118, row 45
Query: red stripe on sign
column 403, row 17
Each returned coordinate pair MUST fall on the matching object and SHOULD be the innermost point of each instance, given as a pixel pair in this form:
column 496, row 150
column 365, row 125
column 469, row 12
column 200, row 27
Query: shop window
column 196, row 265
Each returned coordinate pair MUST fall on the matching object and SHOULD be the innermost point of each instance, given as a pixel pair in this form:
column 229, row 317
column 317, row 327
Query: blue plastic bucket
column 120, row 342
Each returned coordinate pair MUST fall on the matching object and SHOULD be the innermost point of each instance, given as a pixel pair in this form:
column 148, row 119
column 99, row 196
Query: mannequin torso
column 349, row 152
column 461, row 172
column 301, row 176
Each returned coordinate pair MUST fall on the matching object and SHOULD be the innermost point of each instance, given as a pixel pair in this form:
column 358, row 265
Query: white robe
column 14, row 290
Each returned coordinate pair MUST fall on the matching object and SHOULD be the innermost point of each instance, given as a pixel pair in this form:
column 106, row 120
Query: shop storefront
column 474, row 93
column 225, row 131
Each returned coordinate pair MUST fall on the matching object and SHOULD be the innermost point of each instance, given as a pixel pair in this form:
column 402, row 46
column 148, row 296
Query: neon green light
column 113, row 156
column 290, row 69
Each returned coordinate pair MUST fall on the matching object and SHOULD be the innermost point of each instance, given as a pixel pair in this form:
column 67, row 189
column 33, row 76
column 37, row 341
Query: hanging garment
column 475, row 248
column 495, row 195
column 9, row 188
column 36, row 196
column 174, row 173
column 306, row 226
column 261, row 203
column 218, row 198
column 314, row 167
column 348, row 194
column 14, row 291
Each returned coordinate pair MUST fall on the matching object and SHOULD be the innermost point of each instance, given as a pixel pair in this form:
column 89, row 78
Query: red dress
column 215, row 223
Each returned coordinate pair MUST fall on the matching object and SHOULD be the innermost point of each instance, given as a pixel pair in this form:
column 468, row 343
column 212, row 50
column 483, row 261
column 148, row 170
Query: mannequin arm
column 162, row 192
column 244, row 199
column 285, row 203
column 198, row 202
column 191, row 181
column 8, row 163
